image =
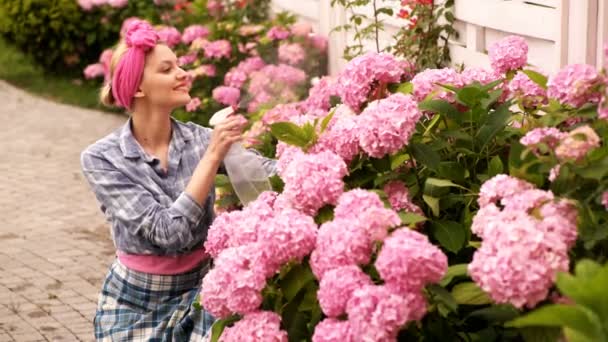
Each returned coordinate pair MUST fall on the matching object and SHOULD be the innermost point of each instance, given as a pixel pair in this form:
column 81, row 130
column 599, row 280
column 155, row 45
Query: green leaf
column 452, row 170
column 295, row 280
column 495, row 167
column 409, row 219
column 443, row 183
column 290, row 133
column 457, row 270
column 497, row 121
column 450, row 234
column 386, row 10
column 433, row 203
column 441, row 107
column 221, row 181
column 540, row 334
column 470, row 294
column 398, row 160
column 496, row 313
column 326, row 121
column 219, row 325
column 470, row 96
column 537, row 78
column 326, row 213
column 426, row 155
column 442, row 296
column 574, row 317
column 405, row 88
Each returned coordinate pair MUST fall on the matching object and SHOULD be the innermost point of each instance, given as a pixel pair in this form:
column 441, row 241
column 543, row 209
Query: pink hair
column 140, row 38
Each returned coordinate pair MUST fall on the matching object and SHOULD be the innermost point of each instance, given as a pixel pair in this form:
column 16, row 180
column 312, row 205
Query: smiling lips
column 185, row 87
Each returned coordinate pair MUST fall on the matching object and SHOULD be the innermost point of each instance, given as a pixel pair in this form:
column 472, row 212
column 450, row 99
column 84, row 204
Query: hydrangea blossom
column 291, row 53
column 575, row 85
column 355, row 81
column 320, row 94
column 385, row 126
column 366, row 208
column 193, row 32
column 170, row 36
column 399, row 197
column 426, row 82
column 341, row 135
column 577, row 143
column 193, row 105
column 332, row 330
column 530, row 94
column 337, row 286
column 260, row 326
column 314, row 180
column 408, row 261
column 480, row 75
column 218, row 49
column 227, row 95
column 341, row 242
column 509, row 53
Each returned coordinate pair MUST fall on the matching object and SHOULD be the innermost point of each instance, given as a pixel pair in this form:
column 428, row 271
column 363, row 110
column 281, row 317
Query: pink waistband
column 161, row 264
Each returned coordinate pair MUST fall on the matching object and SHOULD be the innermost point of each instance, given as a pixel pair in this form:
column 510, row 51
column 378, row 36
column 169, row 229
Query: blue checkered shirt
column 147, row 208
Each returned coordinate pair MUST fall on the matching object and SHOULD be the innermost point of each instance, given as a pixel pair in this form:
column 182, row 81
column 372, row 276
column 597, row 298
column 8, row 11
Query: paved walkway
column 54, row 244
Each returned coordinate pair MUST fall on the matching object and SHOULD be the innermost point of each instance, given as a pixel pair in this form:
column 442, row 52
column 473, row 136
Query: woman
column 154, row 180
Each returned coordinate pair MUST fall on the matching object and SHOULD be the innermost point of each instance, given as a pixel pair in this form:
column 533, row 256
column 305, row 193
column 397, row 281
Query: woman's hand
column 225, row 134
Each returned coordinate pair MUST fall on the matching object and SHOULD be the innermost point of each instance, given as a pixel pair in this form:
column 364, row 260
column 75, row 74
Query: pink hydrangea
column 499, row 187
column 530, row 94
column 575, row 85
column 426, row 83
column 218, row 49
column 289, row 236
column 337, row 286
column 287, row 74
column 118, row 3
column 235, row 78
column 399, row 197
column 94, row 71
column 318, row 41
column 235, row 283
column 170, row 36
column 376, row 314
column 259, row 326
column 320, row 94
column 354, row 83
column 281, row 113
column 203, row 70
column 341, row 242
column 367, row 208
column 602, row 109
column 385, row 126
column 285, row 155
column 277, row 33
column 301, row 29
column 408, row 261
column 291, row 53
column 341, row 136
column 332, row 330
column 227, row 95
column 314, row 180
column 186, row 59
column 86, row 5
column 518, row 262
column 605, row 199
column 480, row 75
column 577, row 144
column 215, row 7
column 509, row 53
column 193, row 105
column 547, row 135
column 193, row 32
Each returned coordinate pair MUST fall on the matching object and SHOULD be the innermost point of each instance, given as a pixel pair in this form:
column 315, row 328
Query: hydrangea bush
column 442, row 205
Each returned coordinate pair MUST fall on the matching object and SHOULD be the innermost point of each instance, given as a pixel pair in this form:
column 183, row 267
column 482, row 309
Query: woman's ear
column 139, row 93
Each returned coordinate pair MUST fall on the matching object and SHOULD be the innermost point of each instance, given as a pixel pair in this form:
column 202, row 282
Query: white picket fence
column 558, row 32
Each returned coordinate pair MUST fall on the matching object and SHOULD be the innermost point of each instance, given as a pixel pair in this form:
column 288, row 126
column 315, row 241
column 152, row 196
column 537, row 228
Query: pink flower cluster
column 526, row 235
column 291, row 53
column 549, row 136
column 193, row 105
column 237, row 76
column 320, row 94
column 508, row 54
column 399, row 197
column 341, row 135
column 575, row 85
column 427, row 83
column 170, row 36
column 193, row 32
column 480, row 75
column 573, row 145
column 385, row 126
column 355, row 82
column 260, row 326
column 249, row 246
column 530, row 94
column 274, row 83
column 313, row 180
column 227, row 95
column 102, row 68
column 281, row 113
column 218, row 49
column 278, row 33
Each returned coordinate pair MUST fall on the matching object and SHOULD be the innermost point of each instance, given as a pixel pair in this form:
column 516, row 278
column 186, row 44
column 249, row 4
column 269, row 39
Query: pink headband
column 140, row 38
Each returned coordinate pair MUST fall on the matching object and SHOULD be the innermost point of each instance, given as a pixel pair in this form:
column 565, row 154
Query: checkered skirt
column 135, row 306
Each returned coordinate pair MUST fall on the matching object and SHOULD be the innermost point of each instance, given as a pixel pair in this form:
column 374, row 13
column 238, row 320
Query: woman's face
column 164, row 83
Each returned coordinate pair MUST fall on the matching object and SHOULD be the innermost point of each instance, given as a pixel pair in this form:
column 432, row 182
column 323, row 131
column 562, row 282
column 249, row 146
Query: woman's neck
column 152, row 129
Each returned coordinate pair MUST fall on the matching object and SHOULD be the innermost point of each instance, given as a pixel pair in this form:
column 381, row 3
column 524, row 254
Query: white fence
column 558, row 32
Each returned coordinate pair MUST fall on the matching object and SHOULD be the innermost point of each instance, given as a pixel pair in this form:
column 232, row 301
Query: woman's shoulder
column 95, row 153
column 200, row 132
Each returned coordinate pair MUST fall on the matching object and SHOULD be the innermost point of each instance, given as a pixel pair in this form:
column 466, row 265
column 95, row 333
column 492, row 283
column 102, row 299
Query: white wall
column 558, row 32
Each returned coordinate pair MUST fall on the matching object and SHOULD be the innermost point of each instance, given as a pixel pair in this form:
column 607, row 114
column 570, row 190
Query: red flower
column 413, row 22
column 403, row 13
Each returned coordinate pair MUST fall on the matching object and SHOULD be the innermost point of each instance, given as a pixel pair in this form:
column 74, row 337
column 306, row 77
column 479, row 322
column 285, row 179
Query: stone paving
column 55, row 246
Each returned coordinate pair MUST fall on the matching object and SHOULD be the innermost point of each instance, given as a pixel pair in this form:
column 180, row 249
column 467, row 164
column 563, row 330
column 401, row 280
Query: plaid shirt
column 148, row 209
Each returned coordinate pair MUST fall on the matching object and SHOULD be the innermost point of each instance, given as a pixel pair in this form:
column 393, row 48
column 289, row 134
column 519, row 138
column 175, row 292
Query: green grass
column 22, row 72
